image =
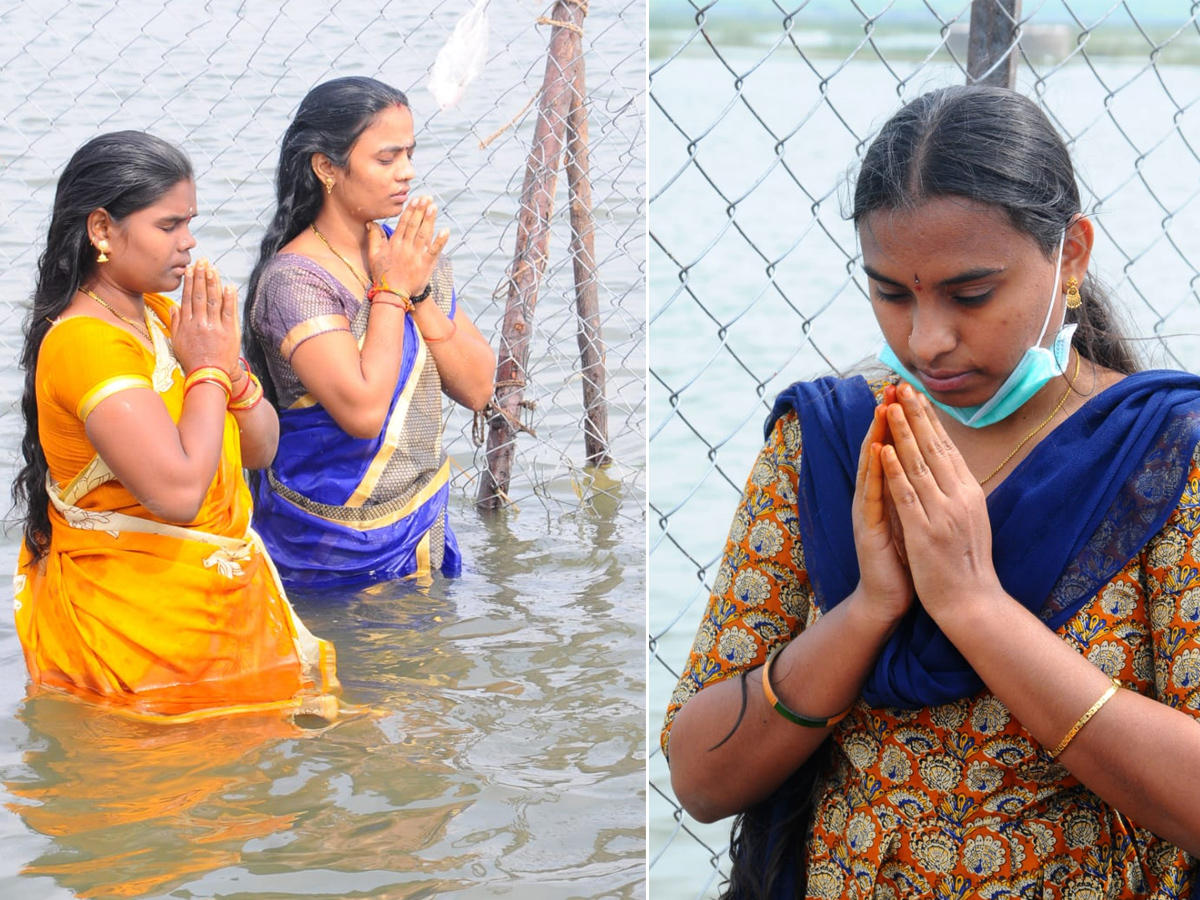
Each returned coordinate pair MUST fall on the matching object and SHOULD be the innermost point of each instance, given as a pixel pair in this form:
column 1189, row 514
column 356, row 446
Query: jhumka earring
column 1074, row 301
column 103, row 248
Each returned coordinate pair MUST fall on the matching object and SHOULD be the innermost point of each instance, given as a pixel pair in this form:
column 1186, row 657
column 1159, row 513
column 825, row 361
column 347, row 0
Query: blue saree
column 335, row 510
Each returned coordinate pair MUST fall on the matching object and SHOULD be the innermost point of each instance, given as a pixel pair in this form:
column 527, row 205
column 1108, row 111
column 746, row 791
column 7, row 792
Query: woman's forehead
column 391, row 125
column 940, row 230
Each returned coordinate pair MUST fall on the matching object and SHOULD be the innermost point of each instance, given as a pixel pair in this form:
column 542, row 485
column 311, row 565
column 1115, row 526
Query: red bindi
column 916, row 282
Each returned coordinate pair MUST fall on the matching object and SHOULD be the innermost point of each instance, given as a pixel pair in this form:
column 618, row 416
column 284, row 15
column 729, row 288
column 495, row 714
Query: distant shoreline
column 906, row 39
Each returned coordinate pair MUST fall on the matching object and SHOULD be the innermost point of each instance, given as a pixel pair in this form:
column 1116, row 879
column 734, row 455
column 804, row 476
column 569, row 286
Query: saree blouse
column 959, row 800
column 159, row 620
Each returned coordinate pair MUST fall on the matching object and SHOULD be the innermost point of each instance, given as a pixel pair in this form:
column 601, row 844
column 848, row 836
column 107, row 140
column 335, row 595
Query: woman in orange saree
column 140, row 583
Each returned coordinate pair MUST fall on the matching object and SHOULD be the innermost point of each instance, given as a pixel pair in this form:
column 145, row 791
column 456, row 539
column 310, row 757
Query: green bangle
column 792, row 715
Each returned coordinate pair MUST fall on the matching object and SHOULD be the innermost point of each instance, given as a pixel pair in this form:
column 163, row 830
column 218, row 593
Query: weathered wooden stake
column 992, row 35
column 533, row 237
column 583, row 255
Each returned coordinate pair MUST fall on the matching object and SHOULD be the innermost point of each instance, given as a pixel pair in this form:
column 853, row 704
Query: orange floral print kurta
column 959, row 800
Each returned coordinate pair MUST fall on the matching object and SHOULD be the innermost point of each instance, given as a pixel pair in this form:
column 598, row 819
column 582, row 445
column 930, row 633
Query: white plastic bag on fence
column 461, row 60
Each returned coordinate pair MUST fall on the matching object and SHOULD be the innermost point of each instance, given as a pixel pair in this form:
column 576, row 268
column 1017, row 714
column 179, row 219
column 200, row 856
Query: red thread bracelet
column 445, row 337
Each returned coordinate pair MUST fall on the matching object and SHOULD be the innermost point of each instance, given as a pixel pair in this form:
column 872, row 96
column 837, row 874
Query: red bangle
column 246, row 388
column 241, row 403
column 404, row 303
column 381, row 286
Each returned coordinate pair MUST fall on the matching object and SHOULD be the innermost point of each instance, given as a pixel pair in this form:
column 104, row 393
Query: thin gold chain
column 1053, row 413
column 362, row 279
column 138, row 326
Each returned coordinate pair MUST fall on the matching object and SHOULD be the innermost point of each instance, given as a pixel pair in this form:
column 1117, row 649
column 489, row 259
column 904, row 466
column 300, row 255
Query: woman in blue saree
column 356, row 331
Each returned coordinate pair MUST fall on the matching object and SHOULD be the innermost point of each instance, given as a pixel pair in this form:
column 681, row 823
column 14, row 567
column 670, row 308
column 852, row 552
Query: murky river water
column 505, row 753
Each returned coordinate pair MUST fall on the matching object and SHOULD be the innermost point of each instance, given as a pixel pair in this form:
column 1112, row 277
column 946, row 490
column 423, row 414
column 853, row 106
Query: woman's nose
column 932, row 335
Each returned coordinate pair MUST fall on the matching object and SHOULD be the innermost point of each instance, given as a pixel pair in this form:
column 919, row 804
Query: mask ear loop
column 1062, row 243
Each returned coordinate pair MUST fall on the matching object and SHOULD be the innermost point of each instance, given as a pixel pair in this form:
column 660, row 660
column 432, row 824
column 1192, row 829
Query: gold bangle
column 789, row 714
column 244, row 368
column 246, row 401
column 211, row 374
column 1083, row 720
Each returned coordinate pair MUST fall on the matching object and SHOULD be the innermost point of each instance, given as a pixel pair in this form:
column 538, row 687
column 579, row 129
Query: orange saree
column 155, row 619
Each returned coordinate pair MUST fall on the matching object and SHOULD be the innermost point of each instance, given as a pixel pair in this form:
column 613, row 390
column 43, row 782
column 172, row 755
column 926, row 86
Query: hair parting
column 995, row 147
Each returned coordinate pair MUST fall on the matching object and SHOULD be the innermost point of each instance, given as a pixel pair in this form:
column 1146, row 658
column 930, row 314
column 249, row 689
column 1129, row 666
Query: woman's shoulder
column 80, row 352
column 286, row 268
column 69, row 334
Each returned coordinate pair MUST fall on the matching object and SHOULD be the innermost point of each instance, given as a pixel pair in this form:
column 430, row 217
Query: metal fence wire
column 759, row 112
column 222, row 78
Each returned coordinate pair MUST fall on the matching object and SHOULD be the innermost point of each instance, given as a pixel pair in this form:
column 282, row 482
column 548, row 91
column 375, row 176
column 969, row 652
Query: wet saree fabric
column 156, row 619
column 955, row 798
column 336, row 510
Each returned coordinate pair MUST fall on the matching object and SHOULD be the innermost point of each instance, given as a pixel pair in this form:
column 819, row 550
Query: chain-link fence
column 759, row 113
column 222, row 79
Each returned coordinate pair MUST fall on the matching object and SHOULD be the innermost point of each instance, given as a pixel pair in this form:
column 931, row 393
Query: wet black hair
column 330, row 119
column 121, row 173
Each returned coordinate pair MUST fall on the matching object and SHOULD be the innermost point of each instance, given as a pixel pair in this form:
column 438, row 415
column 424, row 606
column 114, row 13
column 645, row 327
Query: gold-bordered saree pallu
column 334, row 510
column 162, row 621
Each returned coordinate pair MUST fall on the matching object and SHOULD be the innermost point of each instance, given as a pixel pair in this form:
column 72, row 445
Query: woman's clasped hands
column 204, row 327
column 406, row 261
column 920, row 517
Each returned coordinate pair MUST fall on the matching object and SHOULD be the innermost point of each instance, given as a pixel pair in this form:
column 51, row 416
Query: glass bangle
column 790, row 714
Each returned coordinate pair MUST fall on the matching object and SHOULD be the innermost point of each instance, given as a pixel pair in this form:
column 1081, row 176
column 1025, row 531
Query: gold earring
column 329, row 186
column 103, row 248
column 1074, row 301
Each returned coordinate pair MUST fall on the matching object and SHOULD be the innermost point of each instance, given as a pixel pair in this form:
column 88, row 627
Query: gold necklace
column 362, row 279
column 137, row 326
column 1046, row 421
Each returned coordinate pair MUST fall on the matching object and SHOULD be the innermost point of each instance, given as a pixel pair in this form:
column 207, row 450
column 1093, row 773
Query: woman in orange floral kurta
column 958, row 799
column 1030, row 773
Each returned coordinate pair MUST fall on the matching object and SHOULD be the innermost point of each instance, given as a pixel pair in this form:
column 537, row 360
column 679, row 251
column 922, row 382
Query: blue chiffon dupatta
column 1064, row 522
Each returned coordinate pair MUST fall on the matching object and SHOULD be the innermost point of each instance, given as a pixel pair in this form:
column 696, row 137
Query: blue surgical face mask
column 1036, row 367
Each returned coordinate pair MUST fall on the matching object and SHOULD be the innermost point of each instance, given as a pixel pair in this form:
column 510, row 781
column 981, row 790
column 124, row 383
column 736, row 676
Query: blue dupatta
column 1064, row 522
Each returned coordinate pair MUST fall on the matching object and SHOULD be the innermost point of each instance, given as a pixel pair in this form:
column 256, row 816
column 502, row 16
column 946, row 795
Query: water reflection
column 504, row 749
column 136, row 809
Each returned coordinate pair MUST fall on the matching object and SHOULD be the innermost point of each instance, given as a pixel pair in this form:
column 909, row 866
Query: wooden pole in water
column 992, row 42
column 533, row 238
column 583, row 255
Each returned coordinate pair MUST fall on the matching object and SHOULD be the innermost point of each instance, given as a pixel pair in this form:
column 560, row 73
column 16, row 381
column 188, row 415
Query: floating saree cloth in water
column 1067, row 518
column 157, row 619
column 334, row 510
